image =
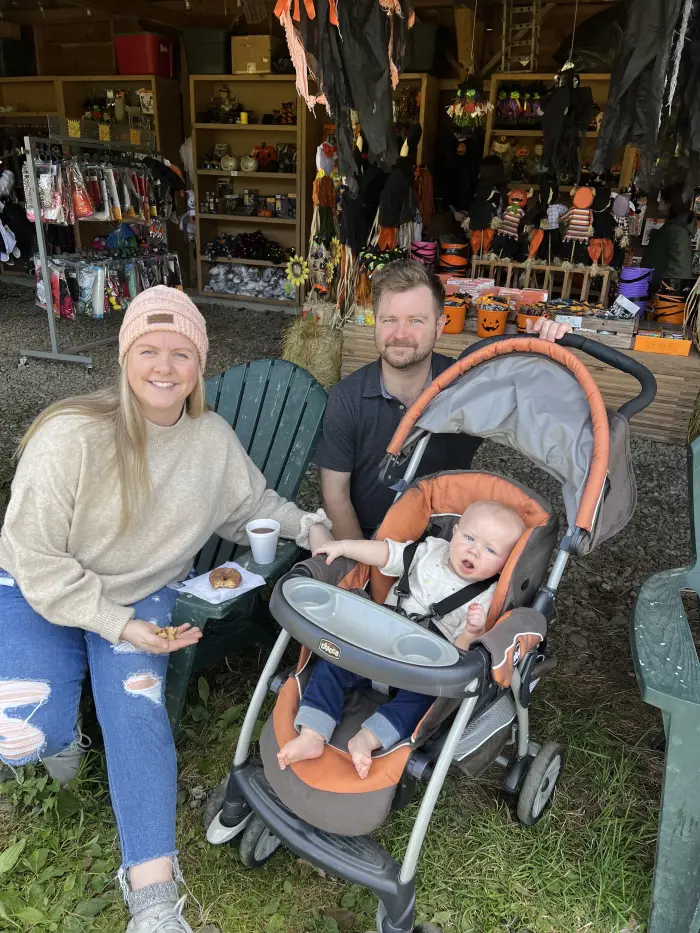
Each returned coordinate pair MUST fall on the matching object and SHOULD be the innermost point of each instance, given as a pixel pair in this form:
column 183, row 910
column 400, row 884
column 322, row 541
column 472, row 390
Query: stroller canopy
column 537, row 398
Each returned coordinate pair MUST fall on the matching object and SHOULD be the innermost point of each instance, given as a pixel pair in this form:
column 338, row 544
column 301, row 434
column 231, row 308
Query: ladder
column 521, row 35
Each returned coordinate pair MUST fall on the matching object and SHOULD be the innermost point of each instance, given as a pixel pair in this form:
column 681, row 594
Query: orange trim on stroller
column 334, row 770
column 601, row 437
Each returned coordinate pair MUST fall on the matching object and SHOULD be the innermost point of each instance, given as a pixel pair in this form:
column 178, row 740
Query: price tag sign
column 575, row 320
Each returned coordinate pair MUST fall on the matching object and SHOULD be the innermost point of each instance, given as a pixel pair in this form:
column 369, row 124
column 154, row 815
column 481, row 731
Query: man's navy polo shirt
column 359, row 422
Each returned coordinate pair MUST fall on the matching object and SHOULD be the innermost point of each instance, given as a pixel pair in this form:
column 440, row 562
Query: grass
column 586, row 868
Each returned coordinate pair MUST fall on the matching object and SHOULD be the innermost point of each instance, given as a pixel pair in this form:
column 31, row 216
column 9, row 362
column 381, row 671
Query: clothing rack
column 74, row 354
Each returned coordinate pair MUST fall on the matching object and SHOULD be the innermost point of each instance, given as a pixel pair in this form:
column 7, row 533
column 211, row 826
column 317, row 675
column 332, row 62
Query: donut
column 225, row 578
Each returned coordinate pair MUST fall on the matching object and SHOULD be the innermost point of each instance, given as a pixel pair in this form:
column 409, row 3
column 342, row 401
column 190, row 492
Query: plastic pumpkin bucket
column 455, row 311
column 521, row 320
column 490, row 319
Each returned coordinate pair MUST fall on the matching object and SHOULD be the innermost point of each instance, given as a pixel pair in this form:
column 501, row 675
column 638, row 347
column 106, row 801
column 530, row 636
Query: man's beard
column 415, row 359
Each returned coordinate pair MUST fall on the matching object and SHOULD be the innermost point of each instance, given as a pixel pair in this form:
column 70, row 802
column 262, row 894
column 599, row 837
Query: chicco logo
column 327, row 647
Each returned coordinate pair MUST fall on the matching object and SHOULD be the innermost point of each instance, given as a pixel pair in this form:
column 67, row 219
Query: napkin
column 200, row 586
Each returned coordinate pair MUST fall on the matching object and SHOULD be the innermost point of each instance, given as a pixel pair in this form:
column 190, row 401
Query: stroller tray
column 351, row 631
column 366, row 624
column 358, row 859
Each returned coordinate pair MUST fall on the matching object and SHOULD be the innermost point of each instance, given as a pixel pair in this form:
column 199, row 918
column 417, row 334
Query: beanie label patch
column 160, row 319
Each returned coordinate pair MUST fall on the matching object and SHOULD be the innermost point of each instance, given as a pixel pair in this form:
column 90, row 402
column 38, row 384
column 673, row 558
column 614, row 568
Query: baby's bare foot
column 361, row 747
column 308, row 744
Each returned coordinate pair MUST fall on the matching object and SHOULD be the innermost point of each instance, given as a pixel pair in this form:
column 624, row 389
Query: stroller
column 529, row 395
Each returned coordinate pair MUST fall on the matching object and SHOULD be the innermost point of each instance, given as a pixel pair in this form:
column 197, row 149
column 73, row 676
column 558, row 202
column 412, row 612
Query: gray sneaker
column 163, row 918
column 65, row 765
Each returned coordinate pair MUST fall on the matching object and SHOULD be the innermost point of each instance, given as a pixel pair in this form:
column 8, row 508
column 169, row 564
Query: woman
column 115, row 492
column 670, row 249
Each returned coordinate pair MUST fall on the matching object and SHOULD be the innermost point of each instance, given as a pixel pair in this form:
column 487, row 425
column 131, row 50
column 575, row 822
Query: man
column 365, row 408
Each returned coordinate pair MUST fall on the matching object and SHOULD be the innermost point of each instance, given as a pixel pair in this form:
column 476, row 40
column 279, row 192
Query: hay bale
column 317, row 348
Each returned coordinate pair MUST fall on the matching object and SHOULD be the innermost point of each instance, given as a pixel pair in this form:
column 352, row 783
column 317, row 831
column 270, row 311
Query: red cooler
column 144, row 53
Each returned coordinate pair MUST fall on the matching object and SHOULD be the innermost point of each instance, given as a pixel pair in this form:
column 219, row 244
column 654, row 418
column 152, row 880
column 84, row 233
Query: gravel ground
column 591, row 633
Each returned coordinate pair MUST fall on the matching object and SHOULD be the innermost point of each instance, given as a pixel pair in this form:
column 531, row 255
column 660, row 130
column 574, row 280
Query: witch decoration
column 354, row 52
column 568, row 110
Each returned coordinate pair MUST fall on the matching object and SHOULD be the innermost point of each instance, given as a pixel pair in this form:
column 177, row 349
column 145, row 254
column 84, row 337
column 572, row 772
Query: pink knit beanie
column 163, row 308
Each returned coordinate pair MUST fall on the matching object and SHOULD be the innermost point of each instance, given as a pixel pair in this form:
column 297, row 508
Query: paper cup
column 263, row 534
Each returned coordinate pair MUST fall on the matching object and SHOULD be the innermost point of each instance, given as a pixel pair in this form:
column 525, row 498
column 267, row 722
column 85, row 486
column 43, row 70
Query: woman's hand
column 144, row 636
column 318, row 536
column 332, row 550
column 547, row 329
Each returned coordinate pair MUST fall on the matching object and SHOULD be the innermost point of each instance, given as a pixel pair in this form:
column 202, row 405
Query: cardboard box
column 253, row 54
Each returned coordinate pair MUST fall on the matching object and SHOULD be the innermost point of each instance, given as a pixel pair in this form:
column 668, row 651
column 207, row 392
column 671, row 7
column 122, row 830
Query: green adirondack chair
column 668, row 672
column 276, row 409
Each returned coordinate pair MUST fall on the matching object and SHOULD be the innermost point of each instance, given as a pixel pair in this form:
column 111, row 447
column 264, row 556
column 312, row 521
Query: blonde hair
column 117, row 406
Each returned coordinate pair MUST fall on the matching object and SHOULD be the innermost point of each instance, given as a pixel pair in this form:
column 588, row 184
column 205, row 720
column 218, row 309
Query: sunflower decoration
column 297, row 270
column 330, row 273
column 336, row 251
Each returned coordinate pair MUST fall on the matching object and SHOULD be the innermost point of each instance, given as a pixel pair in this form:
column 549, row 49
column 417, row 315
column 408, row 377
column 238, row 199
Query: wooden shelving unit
column 600, row 86
column 36, row 98
column 32, row 98
column 258, row 94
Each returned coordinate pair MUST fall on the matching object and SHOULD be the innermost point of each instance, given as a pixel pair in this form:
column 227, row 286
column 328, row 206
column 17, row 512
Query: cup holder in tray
column 367, row 625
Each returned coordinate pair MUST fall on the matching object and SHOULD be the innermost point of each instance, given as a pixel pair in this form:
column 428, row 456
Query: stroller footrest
column 357, row 859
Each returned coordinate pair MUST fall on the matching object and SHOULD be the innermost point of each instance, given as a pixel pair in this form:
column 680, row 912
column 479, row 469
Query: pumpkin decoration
column 491, row 317
column 455, row 311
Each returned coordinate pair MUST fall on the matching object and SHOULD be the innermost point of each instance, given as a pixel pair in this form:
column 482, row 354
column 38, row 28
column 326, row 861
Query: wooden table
column 666, row 420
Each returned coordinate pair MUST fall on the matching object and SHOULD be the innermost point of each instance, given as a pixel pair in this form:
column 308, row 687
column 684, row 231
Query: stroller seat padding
column 324, row 791
column 451, row 493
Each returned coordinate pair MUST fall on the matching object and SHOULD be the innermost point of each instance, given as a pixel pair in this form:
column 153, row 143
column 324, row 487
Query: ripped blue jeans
column 42, row 668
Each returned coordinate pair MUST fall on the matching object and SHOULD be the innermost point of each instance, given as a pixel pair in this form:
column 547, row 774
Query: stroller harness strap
column 439, row 610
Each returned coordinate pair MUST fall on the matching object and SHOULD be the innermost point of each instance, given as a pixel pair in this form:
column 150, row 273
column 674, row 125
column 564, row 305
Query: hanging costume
column 354, row 53
column 568, row 110
column 397, row 204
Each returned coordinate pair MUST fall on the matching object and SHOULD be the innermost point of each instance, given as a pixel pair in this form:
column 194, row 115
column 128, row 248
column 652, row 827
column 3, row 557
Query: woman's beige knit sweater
column 61, row 540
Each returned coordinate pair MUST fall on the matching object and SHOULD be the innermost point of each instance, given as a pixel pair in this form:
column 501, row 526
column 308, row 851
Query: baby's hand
column 332, row 549
column 476, row 619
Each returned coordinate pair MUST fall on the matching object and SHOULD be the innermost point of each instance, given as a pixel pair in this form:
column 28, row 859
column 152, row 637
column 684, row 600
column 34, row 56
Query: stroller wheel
column 538, row 787
column 258, row 844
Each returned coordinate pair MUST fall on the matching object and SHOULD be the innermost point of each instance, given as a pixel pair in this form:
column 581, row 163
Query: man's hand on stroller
column 547, row 329
column 476, row 623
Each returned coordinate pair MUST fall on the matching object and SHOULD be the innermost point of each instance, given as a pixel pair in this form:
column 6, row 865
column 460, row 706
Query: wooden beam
column 519, row 34
column 35, row 17
column 134, row 9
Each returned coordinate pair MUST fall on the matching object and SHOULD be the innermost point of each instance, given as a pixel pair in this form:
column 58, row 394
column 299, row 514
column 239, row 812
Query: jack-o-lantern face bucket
column 491, row 322
column 455, row 311
column 521, row 320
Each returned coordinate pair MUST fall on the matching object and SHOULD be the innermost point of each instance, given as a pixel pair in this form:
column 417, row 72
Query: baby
column 481, row 544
